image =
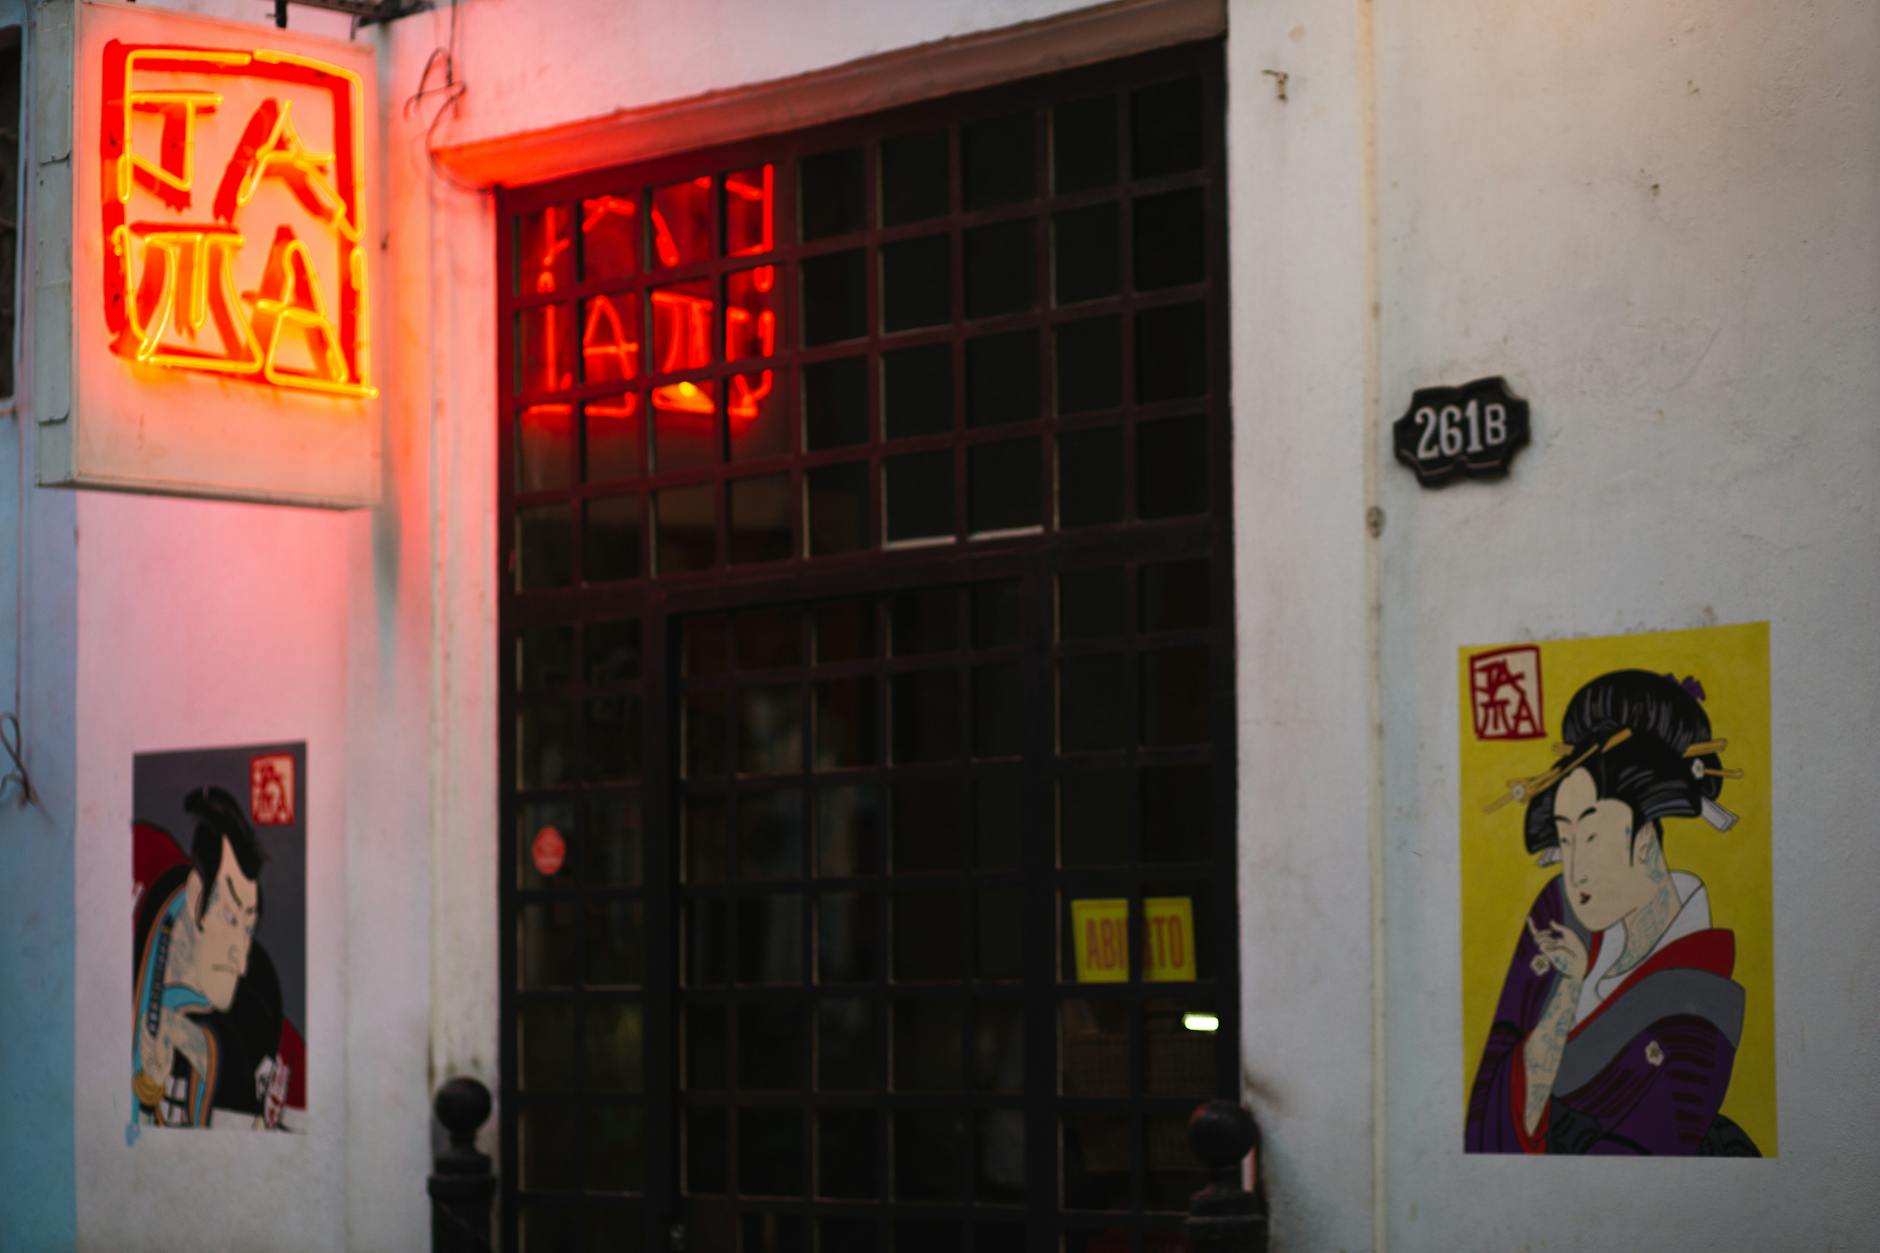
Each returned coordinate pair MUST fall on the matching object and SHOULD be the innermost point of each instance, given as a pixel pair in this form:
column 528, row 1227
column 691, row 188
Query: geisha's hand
column 1562, row 947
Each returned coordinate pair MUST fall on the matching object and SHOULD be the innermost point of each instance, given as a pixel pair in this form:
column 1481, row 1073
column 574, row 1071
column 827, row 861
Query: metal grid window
column 868, row 881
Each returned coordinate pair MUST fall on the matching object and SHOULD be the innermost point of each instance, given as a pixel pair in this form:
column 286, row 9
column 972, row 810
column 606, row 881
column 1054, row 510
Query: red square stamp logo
column 1505, row 694
column 271, row 789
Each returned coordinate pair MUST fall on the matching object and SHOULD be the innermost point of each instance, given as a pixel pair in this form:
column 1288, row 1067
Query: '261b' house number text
column 1470, row 430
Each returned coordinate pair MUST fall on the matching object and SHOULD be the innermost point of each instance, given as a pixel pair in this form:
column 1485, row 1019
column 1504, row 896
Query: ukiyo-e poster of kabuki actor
column 1618, row 991
column 219, row 952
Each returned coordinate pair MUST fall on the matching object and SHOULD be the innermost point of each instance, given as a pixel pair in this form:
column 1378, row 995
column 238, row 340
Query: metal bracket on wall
column 363, row 12
column 12, row 742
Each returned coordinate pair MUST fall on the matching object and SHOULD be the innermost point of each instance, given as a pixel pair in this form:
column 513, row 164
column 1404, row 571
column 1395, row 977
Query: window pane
column 1093, row 1047
column 1093, row 818
column 773, row 1046
column 999, row 950
column 770, row 639
column 707, row 1047
column 610, row 539
column 1000, row 821
column 613, row 738
column 545, row 1040
column 706, row 738
column 707, row 1150
column 999, row 707
column 760, row 519
column 998, row 613
column 925, row 716
column 848, row 937
column 708, row 944
column 682, row 217
column 1001, row 274
column 613, row 842
column 1181, row 1060
column 835, row 297
column 917, row 385
column 999, row 1043
column 770, row 730
column 610, row 237
column 845, row 723
column 1172, row 468
column 835, row 403
column 1083, row 144
column 545, row 745
column 770, row 1152
column 1002, row 378
column 1165, row 128
column 770, row 834
column 1090, row 365
column 838, row 508
column 770, row 939
column 616, row 1153
column 615, row 447
column 545, row 250
column 1171, row 353
column 707, row 850
column 998, row 163
column 927, row 833
column 616, row 942
column 848, row 1159
column 1174, row 596
column 913, row 178
column 916, row 283
column 683, row 524
column 928, row 1149
column 1090, row 703
column 1003, row 487
column 550, row 1138
column 918, row 493
column 750, row 211
column 845, row 630
column 544, row 656
column 849, row 1045
column 1172, row 1172
column 927, row 938
column 832, row 193
column 924, row 620
column 544, row 448
column 1090, row 478
column 683, row 440
column 848, row 832
column 1091, row 603
column 927, row 1052
column 545, row 352
column 1096, row 1163
column 1087, row 261
column 613, row 650
column 544, row 547
column 1175, row 696
column 683, row 331
column 1171, row 239
column 614, row 1040
column 610, row 338
column 547, row 945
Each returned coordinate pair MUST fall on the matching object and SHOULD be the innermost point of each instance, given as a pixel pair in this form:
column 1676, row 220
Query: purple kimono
column 1644, row 1072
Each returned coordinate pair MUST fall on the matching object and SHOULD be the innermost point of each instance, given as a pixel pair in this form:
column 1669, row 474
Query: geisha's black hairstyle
column 1648, row 769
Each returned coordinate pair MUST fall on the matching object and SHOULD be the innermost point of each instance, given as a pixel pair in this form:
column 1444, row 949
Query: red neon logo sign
column 172, row 296
column 681, row 319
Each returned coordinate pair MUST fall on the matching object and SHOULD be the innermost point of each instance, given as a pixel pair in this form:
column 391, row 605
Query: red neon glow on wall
column 682, row 317
column 169, row 277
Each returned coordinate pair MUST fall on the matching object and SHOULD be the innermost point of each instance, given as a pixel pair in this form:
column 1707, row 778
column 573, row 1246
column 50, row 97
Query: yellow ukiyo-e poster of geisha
column 1618, row 990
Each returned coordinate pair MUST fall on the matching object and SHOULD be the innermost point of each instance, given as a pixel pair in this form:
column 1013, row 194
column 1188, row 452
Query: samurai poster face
column 218, row 946
column 1617, row 970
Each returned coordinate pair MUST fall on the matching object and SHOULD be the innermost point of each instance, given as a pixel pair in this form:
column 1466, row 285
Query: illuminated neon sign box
column 222, row 265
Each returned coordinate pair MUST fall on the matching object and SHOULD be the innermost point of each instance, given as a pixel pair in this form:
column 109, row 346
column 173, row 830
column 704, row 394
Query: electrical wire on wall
column 447, row 94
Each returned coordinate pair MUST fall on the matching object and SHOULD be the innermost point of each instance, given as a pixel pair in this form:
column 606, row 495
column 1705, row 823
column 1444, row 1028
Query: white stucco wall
column 1662, row 223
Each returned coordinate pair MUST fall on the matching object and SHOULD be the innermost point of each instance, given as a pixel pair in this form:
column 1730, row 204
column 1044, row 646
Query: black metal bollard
column 1224, row 1217
column 461, row 1184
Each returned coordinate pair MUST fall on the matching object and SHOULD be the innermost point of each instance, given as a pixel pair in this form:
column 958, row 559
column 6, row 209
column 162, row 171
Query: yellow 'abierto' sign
column 1100, row 934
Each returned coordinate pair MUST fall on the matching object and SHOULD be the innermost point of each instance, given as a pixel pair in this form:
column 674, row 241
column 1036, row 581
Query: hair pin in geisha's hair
column 1522, row 789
